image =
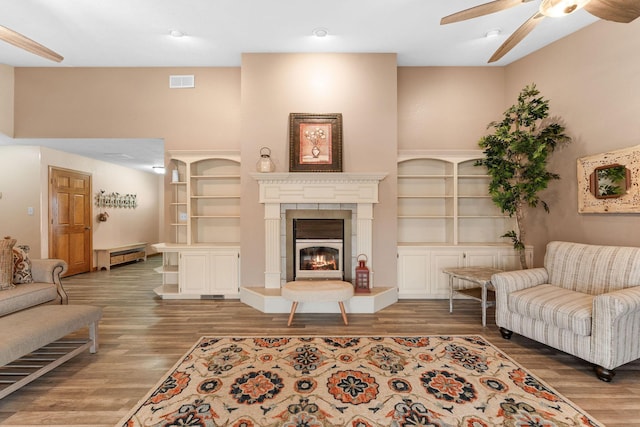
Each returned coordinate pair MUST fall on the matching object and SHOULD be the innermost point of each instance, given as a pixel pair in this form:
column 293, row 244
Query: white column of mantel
column 364, row 234
column 272, row 245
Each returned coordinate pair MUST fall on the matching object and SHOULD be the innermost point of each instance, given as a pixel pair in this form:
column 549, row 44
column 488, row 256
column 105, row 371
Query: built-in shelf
column 443, row 199
column 205, row 207
column 446, row 218
column 202, row 257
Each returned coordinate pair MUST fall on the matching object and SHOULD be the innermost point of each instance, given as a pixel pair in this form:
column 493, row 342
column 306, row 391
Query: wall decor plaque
column 610, row 182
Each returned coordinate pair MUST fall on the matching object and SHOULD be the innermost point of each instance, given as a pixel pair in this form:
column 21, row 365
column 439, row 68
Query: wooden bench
column 113, row 256
column 25, row 336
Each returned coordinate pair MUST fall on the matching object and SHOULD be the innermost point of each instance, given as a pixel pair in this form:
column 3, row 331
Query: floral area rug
column 350, row 381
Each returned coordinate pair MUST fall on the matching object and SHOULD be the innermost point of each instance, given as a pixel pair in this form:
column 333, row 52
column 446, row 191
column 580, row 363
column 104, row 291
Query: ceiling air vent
column 182, row 82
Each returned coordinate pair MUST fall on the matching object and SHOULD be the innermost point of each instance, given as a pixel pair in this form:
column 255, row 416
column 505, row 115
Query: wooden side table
column 480, row 276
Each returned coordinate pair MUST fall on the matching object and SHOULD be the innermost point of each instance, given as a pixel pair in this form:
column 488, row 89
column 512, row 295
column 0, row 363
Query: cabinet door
column 224, row 272
column 441, row 259
column 480, row 258
column 194, row 272
column 413, row 272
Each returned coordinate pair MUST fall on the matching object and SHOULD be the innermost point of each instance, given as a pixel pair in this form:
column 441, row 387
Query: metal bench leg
column 293, row 311
column 93, row 336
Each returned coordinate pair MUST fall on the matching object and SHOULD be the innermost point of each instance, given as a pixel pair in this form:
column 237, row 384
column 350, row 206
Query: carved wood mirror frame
column 592, row 198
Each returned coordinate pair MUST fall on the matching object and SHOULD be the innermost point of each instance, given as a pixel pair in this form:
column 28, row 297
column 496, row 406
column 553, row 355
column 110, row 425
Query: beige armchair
column 585, row 301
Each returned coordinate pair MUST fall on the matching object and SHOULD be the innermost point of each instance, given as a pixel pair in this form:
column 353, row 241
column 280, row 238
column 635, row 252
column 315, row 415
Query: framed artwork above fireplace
column 315, row 142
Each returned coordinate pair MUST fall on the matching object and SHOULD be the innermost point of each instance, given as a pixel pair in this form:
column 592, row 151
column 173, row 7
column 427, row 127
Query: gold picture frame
column 315, row 142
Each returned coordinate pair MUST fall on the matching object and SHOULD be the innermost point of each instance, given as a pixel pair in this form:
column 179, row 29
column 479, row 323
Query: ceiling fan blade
column 481, row 10
column 623, row 11
column 27, row 44
column 517, row 36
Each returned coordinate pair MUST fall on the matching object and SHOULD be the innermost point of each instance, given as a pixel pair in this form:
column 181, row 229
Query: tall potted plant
column 516, row 156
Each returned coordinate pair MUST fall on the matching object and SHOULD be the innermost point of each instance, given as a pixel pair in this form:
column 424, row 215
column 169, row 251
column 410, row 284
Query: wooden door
column 70, row 219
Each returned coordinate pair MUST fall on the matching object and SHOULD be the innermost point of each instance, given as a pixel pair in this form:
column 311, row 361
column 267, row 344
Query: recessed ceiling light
column 320, row 32
column 176, row 33
column 493, row 33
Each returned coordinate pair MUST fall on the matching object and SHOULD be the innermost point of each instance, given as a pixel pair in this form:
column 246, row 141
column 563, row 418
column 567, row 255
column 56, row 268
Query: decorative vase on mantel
column 265, row 164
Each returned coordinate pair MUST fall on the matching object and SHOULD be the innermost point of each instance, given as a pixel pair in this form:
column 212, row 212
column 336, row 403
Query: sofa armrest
column 50, row 271
column 616, row 318
column 511, row 281
column 620, row 302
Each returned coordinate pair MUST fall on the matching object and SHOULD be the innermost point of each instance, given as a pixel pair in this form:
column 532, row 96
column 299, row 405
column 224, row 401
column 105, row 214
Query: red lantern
column 362, row 275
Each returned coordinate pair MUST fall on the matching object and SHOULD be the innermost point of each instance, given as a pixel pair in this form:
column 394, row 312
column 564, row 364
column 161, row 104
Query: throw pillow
column 6, row 263
column 21, row 265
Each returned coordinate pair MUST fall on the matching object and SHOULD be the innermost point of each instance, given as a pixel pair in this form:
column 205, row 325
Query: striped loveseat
column 585, row 301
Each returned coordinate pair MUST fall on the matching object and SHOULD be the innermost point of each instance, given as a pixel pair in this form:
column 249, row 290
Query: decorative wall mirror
column 610, row 182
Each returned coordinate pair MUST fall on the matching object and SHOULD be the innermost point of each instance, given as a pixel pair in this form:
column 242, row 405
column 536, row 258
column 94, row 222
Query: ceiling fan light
column 557, row 8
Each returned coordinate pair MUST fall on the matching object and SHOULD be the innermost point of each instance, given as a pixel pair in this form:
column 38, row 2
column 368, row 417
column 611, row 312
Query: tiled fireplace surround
column 279, row 192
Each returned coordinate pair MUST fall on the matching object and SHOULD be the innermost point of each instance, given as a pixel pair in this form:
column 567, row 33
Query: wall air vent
column 182, row 82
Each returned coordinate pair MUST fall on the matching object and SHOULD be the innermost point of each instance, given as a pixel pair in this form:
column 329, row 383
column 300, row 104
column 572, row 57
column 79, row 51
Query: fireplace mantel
column 302, row 187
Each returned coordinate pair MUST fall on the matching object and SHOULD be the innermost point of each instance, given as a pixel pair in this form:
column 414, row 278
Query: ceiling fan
column 623, row 11
column 27, row 44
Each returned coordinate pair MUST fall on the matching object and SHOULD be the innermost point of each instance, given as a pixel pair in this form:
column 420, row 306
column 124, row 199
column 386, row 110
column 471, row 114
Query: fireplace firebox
column 319, row 259
column 318, row 244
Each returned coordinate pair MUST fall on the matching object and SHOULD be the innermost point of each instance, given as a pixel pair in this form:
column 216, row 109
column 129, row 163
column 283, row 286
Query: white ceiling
column 135, row 33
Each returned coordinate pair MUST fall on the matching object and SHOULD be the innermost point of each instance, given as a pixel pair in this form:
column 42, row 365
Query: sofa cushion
column 25, row 296
column 560, row 307
column 6, row 263
column 21, row 265
column 592, row 269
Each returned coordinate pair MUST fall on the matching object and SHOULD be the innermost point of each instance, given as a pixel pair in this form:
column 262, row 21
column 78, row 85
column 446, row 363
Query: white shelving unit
column 179, row 203
column 200, row 270
column 205, row 222
column 443, row 199
column 446, row 218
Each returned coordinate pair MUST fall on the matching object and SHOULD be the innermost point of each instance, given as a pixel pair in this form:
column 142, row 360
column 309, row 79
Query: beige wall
column 591, row 80
column 7, row 83
column 447, row 107
column 129, row 103
column 360, row 86
column 20, row 187
column 26, row 169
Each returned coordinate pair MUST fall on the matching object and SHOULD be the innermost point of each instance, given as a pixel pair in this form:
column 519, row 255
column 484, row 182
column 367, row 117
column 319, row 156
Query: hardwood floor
column 141, row 337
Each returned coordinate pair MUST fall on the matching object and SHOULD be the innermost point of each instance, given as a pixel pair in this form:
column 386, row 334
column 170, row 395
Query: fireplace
column 318, row 259
column 318, row 244
column 352, row 194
